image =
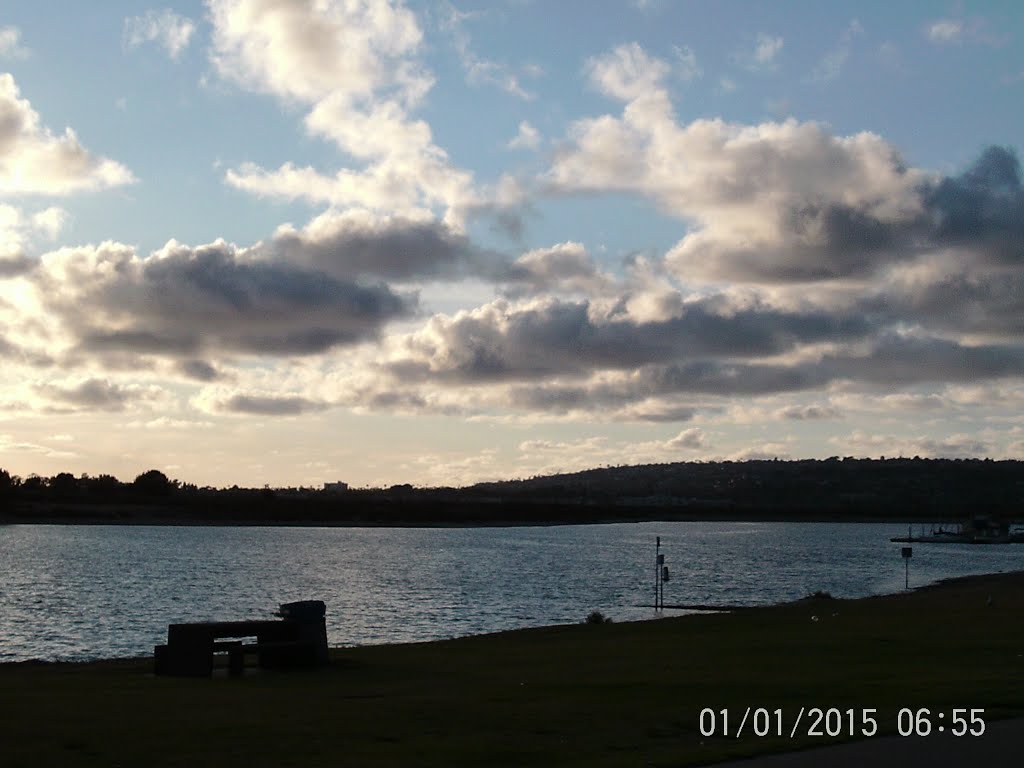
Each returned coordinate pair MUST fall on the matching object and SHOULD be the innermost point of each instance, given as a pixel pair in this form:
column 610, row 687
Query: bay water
column 87, row 592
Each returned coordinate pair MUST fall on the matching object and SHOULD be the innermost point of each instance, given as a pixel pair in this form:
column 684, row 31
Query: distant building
column 336, row 487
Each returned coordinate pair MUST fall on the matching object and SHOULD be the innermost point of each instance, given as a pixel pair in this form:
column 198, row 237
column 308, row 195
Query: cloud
column 270, row 405
column 16, row 265
column 34, row 161
column 480, row 70
column 357, row 244
column 693, row 439
column 307, row 51
column 982, row 208
column 199, row 370
column 527, row 137
column 627, row 72
column 165, row 27
column 832, row 63
column 943, row 31
column 807, row 412
column 763, row 452
column 96, row 394
column 686, row 66
column 951, row 31
column 949, row 447
column 791, row 202
column 542, row 339
column 563, row 268
column 764, row 54
column 184, row 301
column 10, row 44
column 773, row 202
column 18, row 229
column 354, row 67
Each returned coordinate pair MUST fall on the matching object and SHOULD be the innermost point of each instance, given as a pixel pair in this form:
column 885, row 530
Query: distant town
column 901, row 489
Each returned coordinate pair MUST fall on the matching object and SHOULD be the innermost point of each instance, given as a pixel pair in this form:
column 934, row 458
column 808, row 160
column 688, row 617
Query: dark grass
column 585, row 695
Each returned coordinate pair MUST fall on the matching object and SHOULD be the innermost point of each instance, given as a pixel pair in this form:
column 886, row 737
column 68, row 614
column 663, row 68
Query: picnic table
column 297, row 639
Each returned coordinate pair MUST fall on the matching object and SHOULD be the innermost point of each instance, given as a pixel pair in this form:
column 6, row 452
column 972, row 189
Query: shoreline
column 585, row 695
column 951, row 583
column 192, row 521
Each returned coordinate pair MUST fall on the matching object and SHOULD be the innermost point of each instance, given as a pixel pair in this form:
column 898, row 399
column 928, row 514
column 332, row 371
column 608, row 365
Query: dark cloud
column 983, row 208
column 270, row 405
column 704, row 377
column 16, row 353
column 15, row 266
column 91, row 394
column 356, row 245
column 564, row 338
column 900, row 361
column 890, row 362
column 980, row 211
column 199, row 370
column 141, row 342
column 808, row 412
column 979, row 302
column 185, row 301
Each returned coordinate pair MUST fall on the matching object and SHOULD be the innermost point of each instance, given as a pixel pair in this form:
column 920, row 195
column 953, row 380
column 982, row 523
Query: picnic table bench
column 297, row 639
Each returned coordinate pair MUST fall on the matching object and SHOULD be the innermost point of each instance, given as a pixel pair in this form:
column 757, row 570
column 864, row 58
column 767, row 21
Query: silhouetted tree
column 33, row 484
column 63, row 485
column 6, row 484
column 101, row 486
column 153, row 483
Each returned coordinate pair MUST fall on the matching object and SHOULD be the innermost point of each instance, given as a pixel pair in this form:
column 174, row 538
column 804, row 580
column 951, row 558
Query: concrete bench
column 298, row 639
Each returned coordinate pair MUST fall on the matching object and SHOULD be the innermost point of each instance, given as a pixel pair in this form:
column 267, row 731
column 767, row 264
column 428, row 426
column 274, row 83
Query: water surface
column 80, row 592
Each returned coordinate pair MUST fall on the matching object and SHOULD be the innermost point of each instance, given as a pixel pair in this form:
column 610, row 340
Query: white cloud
column 18, row 228
column 692, row 439
column 758, row 197
column 562, row 268
column 765, row 52
column 164, row 27
column 832, row 63
column 34, row 161
column 478, row 69
column 762, row 452
column 527, row 138
column 686, row 67
column 945, row 31
column 308, row 51
column 972, row 30
column 354, row 65
column 952, row 446
column 50, row 222
column 10, row 44
column 627, row 72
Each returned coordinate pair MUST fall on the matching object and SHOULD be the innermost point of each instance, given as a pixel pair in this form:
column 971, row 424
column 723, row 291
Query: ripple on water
column 81, row 592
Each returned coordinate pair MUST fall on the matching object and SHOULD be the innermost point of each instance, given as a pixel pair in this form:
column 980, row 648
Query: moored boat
column 980, row 529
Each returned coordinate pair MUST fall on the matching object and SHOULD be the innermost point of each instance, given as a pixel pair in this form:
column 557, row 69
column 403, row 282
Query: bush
column 596, row 617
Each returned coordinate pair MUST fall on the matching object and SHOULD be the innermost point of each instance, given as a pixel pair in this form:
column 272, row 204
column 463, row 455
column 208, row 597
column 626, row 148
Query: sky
column 289, row 242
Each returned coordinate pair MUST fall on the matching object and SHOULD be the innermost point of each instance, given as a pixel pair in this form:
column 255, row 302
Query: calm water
column 79, row 592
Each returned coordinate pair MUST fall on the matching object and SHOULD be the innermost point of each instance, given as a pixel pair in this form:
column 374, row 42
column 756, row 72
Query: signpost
column 660, row 576
column 907, row 552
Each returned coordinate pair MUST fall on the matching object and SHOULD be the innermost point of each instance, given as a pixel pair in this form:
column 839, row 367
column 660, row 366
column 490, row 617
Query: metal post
column 657, row 569
column 907, row 553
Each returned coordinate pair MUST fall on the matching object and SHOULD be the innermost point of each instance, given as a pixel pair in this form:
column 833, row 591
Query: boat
column 980, row 529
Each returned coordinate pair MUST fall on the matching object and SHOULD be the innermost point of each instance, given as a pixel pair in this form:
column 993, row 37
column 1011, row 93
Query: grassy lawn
column 585, row 695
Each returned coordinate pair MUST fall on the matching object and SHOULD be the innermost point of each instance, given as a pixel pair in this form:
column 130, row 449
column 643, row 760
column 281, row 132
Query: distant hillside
column 912, row 487
column 830, row 489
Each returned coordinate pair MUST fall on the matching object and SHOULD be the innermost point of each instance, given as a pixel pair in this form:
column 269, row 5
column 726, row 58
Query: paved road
column 1001, row 746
